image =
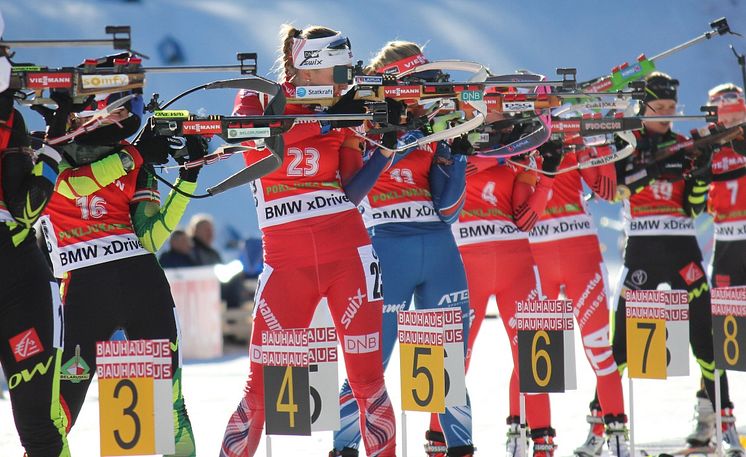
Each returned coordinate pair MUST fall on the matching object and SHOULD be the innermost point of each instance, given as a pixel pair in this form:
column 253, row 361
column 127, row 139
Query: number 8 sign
column 729, row 327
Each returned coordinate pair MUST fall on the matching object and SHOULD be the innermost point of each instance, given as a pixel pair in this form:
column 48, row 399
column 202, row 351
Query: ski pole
column 718, row 416
column 117, row 41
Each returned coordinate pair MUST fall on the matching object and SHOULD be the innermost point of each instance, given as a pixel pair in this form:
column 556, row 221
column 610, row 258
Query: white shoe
column 594, row 444
column 704, row 428
column 513, row 441
column 617, row 438
column 731, row 440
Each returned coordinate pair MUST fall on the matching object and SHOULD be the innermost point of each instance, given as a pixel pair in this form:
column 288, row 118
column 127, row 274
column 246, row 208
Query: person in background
column 202, row 231
column 180, row 254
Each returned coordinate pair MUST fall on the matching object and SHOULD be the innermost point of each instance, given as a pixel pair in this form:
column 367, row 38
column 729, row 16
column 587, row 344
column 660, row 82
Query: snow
column 663, row 409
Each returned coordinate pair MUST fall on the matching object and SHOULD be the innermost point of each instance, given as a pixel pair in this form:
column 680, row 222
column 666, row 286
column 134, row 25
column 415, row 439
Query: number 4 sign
column 135, row 397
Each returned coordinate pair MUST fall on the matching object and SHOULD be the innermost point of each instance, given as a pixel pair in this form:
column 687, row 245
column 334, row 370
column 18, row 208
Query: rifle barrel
column 57, row 43
column 693, row 41
column 195, row 68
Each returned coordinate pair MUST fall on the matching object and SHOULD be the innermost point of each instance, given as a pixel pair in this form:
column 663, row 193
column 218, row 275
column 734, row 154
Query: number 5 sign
column 421, row 339
column 729, row 327
column 135, row 397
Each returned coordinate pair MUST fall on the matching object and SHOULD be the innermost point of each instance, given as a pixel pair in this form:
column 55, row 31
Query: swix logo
column 691, row 273
column 202, row 127
column 26, row 344
column 42, row 80
column 354, row 303
column 362, row 344
column 454, row 297
column 401, row 91
column 25, row 375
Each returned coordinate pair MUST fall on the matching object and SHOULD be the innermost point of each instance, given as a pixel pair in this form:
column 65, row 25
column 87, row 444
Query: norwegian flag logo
column 26, row 344
column 691, row 273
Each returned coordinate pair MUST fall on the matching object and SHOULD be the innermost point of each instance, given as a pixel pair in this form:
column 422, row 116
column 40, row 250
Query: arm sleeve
column 357, row 185
column 152, row 221
column 249, row 103
column 448, row 184
column 529, row 198
column 27, row 187
column 78, row 182
column 476, row 164
column 601, row 180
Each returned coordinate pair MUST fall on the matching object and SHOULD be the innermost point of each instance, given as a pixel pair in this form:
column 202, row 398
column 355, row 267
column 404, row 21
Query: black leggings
column 677, row 261
column 31, row 337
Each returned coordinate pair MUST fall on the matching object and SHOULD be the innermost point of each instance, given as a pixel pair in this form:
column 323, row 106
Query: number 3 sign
column 135, row 397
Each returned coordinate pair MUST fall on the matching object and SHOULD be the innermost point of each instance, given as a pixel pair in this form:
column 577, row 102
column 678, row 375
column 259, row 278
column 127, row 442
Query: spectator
column 201, row 229
column 180, row 254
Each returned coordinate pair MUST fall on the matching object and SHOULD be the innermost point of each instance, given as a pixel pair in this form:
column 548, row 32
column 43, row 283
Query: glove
column 395, row 109
column 461, row 146
column 196, row 147
column 440, row 123
column 347, row 105
column 519, row 131
column 551, row 154
column 156, row 149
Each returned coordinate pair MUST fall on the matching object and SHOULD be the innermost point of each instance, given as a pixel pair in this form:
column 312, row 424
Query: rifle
column 625, row 73
column 88, row 79
column 120, row 39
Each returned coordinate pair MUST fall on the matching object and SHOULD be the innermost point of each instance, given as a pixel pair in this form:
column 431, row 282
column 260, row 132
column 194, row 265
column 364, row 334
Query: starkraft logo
column 314, row 92
column 401, row 91
column 369, row 80
column 518, row 106
column 202, row 127
column 50, row 80
column 26, row 344
column 691, row 273
column 104, row 81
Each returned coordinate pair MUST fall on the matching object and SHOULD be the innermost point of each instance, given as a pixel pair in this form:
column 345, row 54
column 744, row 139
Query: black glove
column 462, row 146
column 6, row 104
column 395, row 109
column 389, row 139
column 347, row 105
column 551, row 155
column 196, row 147
column 519, row 130
column 156, row 149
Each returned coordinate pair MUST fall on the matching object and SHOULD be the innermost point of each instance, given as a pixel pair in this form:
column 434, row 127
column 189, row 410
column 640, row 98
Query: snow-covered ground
column 663, row 409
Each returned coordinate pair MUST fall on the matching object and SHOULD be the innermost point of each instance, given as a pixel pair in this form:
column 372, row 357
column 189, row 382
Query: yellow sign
column 422, row 378
column 171, row 114
column 126, row 415
column 646, row 348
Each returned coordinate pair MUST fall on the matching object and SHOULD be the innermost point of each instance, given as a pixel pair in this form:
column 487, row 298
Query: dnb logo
column 300, row 92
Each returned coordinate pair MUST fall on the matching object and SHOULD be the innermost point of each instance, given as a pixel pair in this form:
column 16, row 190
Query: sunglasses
column 340, row 44
column 725, row 98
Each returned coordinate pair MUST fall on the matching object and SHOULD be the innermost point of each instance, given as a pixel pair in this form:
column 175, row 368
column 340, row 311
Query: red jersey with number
column 93, row 229
column 307, row 185
column 727, row 198
column 566, row 215
column 402, row 192
column 487, row 214
column 659, row 208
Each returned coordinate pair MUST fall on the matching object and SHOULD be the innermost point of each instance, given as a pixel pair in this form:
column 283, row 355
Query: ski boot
column 436, row 444
column 543, row 439
column 617, row 435
column 731, row 442
column 594, row 443
column 513, row 443
column 704, row 415
column 461, row 451
column 345, row 452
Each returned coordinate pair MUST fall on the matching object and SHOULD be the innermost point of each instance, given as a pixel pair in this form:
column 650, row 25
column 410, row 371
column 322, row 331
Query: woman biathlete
column 103, row 225
column 30, row 308
column 566, row 250
column 664, row 197
column 727, row 204
column 316, row 251
column 502, row 203
column 408, row 215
